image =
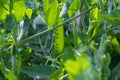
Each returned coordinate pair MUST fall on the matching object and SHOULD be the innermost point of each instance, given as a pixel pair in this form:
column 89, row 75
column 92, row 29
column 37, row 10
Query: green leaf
column 19, row 10
column 46, row 5
column 38, row 71
column 78, row 65
column 51, row 13
column 3, row 12
column 74, row 7
column 68, row 54
column 29, row 13
column 10, row 76
column 80, row 69
column 57, row 74
column 95, row 13
column 10, row 22
column 113, row 17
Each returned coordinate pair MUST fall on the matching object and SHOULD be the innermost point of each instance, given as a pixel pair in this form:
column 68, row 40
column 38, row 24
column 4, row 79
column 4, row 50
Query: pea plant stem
column 11, row 6
column 20, row 43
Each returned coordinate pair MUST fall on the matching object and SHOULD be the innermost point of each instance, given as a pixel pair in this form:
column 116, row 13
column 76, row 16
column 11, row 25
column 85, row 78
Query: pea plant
column 59, row 39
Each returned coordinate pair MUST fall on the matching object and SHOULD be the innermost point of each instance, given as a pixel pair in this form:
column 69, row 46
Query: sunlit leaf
column 74, row 7
column 59, row 41
column 51, row 12
column 29, row 13
column 95, row 13
column 10, row 76
column 19, row 9
column 3, row 12
column 46, row 5
column 78, row 69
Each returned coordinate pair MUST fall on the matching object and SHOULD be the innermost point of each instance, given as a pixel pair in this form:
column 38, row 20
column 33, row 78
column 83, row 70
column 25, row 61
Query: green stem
column 13, row 35
column 50, row 29
column 87, row 4
column 75, row 35
column 11, row 6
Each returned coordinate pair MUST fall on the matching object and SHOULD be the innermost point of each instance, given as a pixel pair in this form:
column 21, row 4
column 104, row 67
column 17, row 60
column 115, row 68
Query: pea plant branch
column 21, row 42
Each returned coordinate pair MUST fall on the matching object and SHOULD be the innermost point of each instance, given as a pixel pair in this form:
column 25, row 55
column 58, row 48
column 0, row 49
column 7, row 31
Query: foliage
column 59, row 40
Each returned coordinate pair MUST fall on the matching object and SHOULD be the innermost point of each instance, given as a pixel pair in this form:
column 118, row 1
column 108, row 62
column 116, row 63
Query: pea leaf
column 29, row 13
column 19, row 9
column 38, row 71
column 10, row 76
column 3, row 12
column 74, row 7
column 10, row 22
column 51, row 13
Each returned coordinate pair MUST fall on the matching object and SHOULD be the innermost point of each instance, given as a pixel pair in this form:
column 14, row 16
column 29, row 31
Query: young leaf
column 78, row 69
column 29, row 13
column 74, row 7
column 19, row 9
column 51, row 13
column 3, row 12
